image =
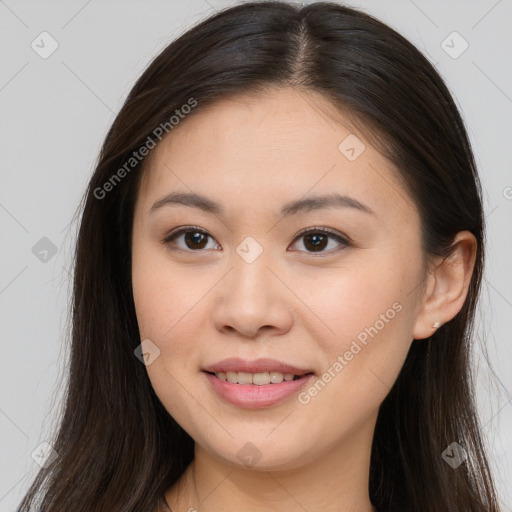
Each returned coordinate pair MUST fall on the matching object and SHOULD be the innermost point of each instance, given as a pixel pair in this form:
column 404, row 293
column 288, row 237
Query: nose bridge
column 250, row 274
column 251, row 295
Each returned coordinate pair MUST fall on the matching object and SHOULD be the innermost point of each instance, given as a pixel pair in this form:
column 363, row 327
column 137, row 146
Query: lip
column 235, row 364
column 251, row 396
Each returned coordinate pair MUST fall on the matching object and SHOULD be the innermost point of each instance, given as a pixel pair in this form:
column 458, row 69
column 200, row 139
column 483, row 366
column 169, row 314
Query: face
column 240, row 280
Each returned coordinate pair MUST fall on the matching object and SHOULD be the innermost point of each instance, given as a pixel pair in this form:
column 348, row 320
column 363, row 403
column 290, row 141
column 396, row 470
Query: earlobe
column 448, row 286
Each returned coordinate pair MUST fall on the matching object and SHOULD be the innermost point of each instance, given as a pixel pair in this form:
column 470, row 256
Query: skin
column 252, row 154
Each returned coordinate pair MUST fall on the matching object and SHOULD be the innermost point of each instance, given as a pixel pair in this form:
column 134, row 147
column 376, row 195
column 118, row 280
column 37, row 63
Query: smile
column 256, row 396
column 257, row 379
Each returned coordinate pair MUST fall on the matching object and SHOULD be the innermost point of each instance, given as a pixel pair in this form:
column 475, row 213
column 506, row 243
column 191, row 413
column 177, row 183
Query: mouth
column 259, row 378
column 255, row 384
column 262, row 370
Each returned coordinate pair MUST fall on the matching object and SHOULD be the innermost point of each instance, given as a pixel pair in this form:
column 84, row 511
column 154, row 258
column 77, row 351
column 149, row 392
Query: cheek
column 364, row 317
column 346, row 302
column 169, row 305
column 364, row 338
column 166, row 315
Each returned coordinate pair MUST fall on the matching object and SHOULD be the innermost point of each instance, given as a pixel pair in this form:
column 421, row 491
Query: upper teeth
column 259, row 379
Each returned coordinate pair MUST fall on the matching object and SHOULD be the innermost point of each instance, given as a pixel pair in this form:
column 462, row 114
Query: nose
column 252, row 299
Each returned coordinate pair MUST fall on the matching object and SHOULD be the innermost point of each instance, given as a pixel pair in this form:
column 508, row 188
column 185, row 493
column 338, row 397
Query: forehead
column 276, row 126
column 273, row 146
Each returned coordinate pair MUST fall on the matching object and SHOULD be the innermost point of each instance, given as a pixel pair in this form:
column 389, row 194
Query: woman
column 276, row 274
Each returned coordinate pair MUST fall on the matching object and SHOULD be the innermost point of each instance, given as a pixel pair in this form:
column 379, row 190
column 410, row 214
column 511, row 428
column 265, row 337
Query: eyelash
column 315, row 230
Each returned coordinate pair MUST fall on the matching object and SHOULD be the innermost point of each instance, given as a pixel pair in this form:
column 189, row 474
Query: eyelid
column 344, row 240
column 328, row 231
column 180, row 231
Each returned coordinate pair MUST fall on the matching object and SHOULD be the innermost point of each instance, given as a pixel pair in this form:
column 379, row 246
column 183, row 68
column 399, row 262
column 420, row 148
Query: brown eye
column 194, row 239
column 315, row 240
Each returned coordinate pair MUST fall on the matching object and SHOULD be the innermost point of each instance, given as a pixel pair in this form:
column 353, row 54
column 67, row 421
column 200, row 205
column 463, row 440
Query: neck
column 335, row 481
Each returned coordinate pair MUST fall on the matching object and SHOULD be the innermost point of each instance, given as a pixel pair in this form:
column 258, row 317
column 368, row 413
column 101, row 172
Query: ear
column 447, row 285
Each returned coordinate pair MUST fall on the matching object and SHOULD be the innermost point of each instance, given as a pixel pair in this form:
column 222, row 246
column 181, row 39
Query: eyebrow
column 292, row 208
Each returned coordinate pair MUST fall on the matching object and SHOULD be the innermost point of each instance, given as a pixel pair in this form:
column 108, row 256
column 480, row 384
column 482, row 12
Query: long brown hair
column 118, row 447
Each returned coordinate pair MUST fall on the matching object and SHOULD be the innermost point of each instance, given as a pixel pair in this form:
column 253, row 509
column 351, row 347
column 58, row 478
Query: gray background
column 56, row 111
